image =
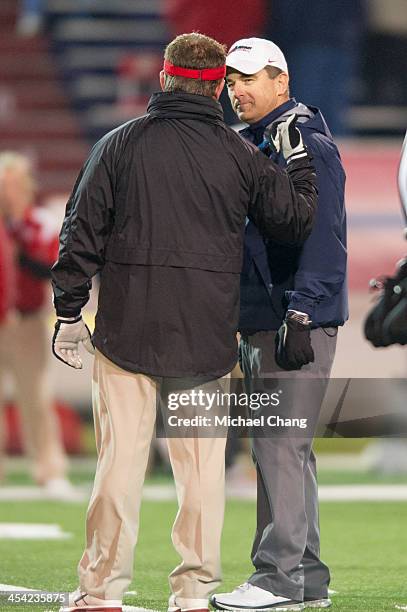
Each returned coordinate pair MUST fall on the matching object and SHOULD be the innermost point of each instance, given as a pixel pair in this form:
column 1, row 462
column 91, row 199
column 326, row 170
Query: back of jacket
column 159, row 209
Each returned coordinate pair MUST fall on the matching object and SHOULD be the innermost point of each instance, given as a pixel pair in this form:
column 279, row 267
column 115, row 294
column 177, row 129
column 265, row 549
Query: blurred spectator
column 224, row 20
column 7, row 299
column 31, row 17
column 322, row 42
column 24, row 345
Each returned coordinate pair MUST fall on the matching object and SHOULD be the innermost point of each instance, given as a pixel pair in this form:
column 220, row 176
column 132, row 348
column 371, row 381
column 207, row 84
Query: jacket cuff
column 62, row 312
column 301, row 303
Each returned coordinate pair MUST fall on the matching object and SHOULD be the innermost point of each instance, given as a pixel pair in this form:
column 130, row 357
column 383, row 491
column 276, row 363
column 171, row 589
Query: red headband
column 208, row 74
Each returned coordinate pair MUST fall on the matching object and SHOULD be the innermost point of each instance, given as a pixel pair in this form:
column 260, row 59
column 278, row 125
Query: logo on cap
column 241, row 47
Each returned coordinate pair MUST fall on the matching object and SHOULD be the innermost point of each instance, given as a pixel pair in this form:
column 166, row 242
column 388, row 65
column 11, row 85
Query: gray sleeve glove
column 68, row 334
column 284, row 136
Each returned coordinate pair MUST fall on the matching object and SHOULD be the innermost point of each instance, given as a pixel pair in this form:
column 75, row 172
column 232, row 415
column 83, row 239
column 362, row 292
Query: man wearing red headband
column 159, row 210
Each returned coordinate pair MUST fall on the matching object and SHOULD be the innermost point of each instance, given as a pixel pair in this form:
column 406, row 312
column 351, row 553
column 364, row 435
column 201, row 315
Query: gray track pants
column 285, row 550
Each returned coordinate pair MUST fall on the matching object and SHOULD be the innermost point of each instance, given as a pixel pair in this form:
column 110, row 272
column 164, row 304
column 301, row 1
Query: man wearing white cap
column 292, row 302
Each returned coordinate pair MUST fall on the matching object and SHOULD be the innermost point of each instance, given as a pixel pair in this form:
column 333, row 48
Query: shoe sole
column 318, row 603
column 92, row 609
column 280, row 607
column 187, row 609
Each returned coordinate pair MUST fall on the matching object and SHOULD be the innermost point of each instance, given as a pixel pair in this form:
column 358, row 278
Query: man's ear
column 162, row 80
column 282, row 81
column 219, row 89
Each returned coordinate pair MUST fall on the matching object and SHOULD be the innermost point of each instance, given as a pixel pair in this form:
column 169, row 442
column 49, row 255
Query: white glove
column 65, row 342
column 284, row 136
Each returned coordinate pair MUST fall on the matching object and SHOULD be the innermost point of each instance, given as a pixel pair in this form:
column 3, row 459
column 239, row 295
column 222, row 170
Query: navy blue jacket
column 311, row 278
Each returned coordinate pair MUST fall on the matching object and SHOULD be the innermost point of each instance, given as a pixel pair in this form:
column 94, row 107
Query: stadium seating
column 35, row 114
column 90, row 40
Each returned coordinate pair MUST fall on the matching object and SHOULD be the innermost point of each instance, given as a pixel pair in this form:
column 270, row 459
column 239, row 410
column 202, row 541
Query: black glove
column 386, row 323
column 293, row 342
column 284, row 136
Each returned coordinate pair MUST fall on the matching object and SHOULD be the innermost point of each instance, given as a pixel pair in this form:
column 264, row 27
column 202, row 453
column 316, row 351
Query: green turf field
column 364, row 543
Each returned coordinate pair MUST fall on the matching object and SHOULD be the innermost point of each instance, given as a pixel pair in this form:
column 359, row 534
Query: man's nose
column 239, row 90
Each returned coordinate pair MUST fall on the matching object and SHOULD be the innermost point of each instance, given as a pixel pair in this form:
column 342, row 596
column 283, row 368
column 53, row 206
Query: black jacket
column 159, row 210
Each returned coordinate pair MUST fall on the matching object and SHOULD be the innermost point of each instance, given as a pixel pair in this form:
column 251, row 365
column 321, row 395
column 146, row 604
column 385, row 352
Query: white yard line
column 32, row 493
column 349, row 493
column 245, row 491
column 345, row 462
column 32, row 531
column 327, row 493
column 12, row 587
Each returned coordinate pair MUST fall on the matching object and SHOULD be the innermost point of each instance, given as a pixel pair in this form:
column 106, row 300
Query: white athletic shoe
column 325, row 602
column 249, row 597
column 172, row 606
column 83, row 601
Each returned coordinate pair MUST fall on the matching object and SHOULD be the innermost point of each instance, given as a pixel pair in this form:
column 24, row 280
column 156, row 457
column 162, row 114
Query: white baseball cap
column 249, row 55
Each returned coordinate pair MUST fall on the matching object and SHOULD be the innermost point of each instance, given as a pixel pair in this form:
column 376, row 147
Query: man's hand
column 293, row 342
column 65, row 342
column 284, row 136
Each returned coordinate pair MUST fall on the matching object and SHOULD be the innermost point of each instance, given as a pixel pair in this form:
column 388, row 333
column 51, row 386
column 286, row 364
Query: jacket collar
column 254, row 132
column 185, row 106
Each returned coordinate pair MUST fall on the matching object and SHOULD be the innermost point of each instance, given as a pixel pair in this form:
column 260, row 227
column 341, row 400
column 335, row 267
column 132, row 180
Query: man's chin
column 243, row 116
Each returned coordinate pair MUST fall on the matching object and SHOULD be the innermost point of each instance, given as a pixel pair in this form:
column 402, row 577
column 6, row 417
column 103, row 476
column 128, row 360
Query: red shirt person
column 28, row 245
column 32, row 229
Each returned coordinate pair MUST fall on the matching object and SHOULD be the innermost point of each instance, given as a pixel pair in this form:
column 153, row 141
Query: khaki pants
column 124, row 407
column 24, row 351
